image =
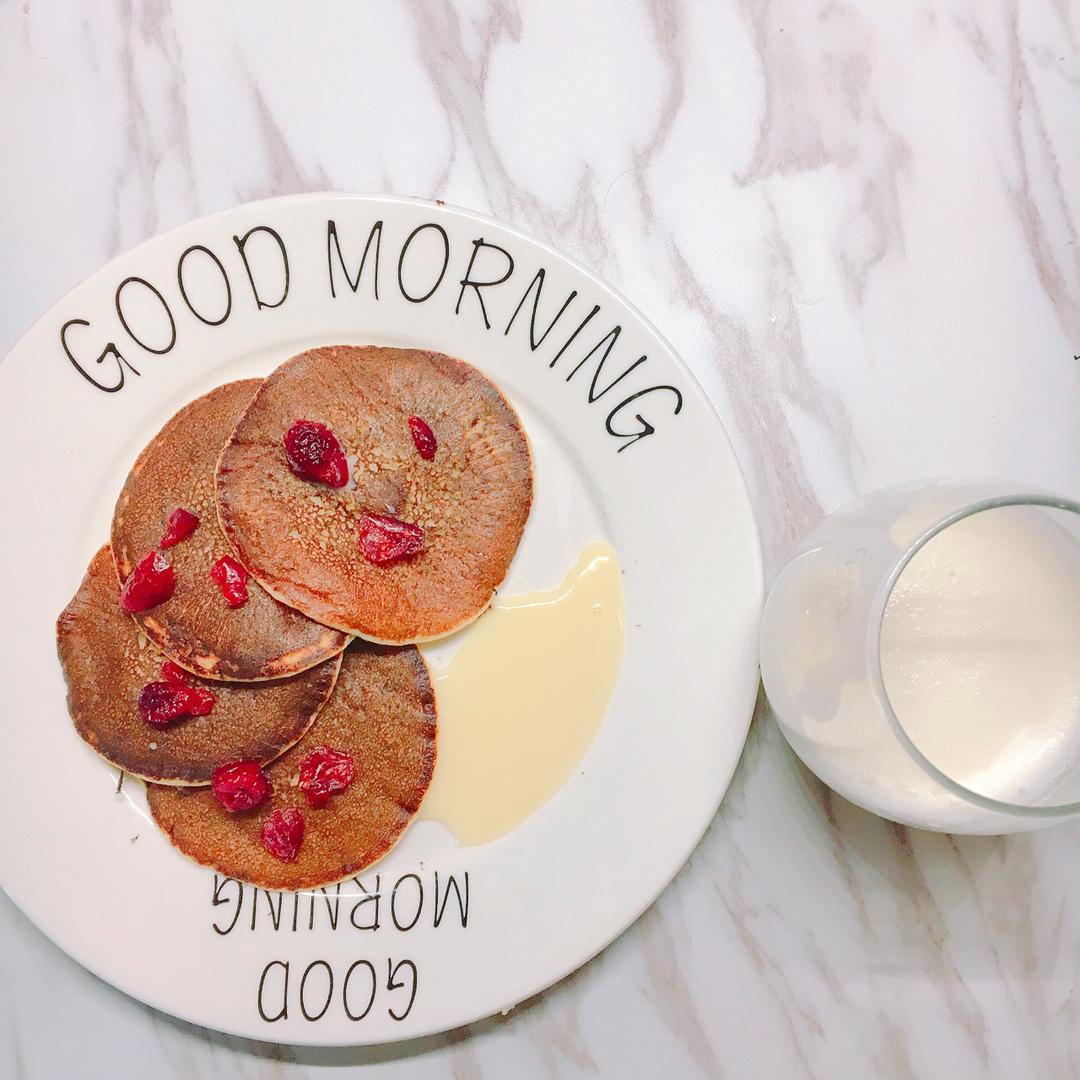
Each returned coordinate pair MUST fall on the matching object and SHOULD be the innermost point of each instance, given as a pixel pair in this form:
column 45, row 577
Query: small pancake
column 107, row 662
column 301, row 539
column 261, row 640
column 382, row 712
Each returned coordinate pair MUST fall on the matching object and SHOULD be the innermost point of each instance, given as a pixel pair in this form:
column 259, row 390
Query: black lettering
column 375, row 899
column 333, row 910
column 391, row 985
column 183, row 290
column 646, row 428
column 468, row 282
column 332, row 236
column 123, row 320
column 241, row 245
column 275, row 916
column 569, row 341
column 610, row 337
column 109, row 350
column 345, row 990
column 283, row 1012
column 219, row 887
column 401, row 262
column 295, row 909
column 329, row 990
column 463, row 905
column 419, row 901
column 538, row 281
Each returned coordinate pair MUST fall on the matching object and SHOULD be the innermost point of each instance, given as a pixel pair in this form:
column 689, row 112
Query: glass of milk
column 921, row 652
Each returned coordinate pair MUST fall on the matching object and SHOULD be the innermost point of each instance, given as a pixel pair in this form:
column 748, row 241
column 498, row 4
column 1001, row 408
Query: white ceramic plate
column 645, row 465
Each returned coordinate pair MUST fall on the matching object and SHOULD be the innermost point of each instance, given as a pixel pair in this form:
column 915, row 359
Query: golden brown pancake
column 263, row 639
column 107, row 662
column 300, row 539
column 382, row 712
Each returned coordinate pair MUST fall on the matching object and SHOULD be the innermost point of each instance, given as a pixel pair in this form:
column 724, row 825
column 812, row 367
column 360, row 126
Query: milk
column 980, row 655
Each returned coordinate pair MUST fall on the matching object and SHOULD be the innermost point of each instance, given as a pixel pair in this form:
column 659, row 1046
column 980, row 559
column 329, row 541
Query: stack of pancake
column 317, row 524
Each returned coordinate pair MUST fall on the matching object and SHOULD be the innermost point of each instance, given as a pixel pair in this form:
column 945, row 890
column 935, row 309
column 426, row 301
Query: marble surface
column 859, row 225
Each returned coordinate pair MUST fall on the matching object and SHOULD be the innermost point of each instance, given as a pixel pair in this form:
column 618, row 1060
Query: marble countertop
column 860, row 226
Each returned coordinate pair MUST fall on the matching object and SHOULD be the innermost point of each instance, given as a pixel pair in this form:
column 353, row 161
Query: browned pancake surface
column 107, row 662
column 301, row 539
column 382, row 712
column 263, row 639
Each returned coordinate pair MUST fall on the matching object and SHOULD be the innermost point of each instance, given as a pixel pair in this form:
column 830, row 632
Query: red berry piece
column 283, row 833
column 423, row 438
column 151, row 583
column 240, row 785
column 313, row 453
column 385, row 539
column 200, row 701
column 325, row 772
column 162, row 703
column 180, row 525
column 171, row 672
column 231, row 579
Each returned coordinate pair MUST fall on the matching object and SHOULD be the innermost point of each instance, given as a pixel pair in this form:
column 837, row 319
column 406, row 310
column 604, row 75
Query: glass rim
column 877, row 680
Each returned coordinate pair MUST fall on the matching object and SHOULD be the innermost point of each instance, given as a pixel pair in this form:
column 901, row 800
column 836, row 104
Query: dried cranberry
column 313, row 453
column 163, row 702
column 283, row 833
column 171, row 672
column 151, row 583
column 201, row 701
column 180, row 525
column 385, row 539
column 240, row 785
column 231, row 578
column 324, row 772
column 423, row 438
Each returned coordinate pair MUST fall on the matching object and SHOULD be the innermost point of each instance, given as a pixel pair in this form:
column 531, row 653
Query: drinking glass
column 821, row 664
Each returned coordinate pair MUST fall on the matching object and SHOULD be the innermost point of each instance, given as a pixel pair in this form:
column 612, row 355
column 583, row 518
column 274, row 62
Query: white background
column 897, row 190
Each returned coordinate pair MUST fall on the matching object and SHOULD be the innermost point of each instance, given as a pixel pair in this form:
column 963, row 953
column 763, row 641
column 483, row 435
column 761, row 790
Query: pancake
column 195, row 627
column 300, row 539
column 382, row 712
column 107, row 662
